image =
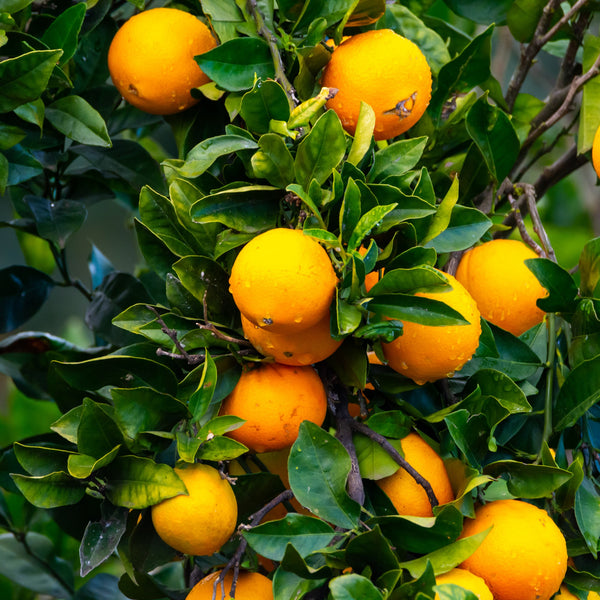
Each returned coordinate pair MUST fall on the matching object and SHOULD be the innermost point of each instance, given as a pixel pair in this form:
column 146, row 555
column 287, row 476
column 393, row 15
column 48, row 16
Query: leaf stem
column 548, row 400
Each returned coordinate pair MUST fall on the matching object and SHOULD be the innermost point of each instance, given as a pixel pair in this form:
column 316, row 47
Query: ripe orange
column 250, row 586
column 283, row 280
column 385, row 70
column 274, row 399
column 523, row 557
column 151, row 59
column 565, row 594
column 466, row 580
column 201, row 522
column 407, row 496
column 305, row 347
column 428, row 353
column 596, row 152
column 504, row 288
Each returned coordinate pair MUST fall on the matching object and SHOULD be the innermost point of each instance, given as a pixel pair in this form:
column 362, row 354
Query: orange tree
column 265, row 145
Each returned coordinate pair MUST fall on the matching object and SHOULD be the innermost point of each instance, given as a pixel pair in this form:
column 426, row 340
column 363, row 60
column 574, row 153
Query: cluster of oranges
column 284, row 285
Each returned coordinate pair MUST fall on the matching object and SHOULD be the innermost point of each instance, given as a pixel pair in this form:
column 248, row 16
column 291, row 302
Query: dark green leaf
column 136, row 482
column 274, row 161
column 306, row 534
column 235, row 64
column 321, row 150
column 22, row 166
column 74, row 117
column 318, row 468
column 371, row 549
column 50, row 491
column 249, row 209
column 416, row 309
column 63, row 32
column 397, row 159
column 34, row 565
column 40, row 460
column 101, row 538
column 523, row 17
column 500, row 386
column 56, row 221
column 201, row 398
column 353, row 587
column 369, row 221
column 23, row 291
column 579, row 392
column 102, row 586
column 410, row 281
column 589, row 268
column 25, row 77
column 266, row 101
column 97, row 433
column 587, row 513
column 562, row 290
column 481, row 12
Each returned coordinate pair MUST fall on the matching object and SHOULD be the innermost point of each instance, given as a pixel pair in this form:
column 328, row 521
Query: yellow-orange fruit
column 523, row 557
column 385, row 70
column 565, row 594
column 301, row 348
column 505, row 290
column 428, row 353
column 596, row 152
column 201, row 522
column 283, row 280
column 274, row 399
column 249, row 586
column 409, row 497
column 151, row 59
column 467, row 580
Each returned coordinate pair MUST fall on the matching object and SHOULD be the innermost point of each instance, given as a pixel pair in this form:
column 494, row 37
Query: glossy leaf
column 481, row 12
column 398, row 158
column 373, row 461
column 589, row 268
column 235, row 64
column 441, row 218
column 273, row 161
column 306, row 534
column 367, row 223
column 410, row 281
column 25, row 77
column 23, row 291
column 587, row 513
column 353, row 587
column 266, row 101
column 50, row 491
column 81, row 466
column 522, row 18
column 318, row 467
column 371, row 549
column 590, row 111
column 579, row 392
column 321, row 150
column 416, row 309
column 562, row 290
column 363, row 134
column 136, row 482
column 57, row 221
column 63, row 32
column 40, row 460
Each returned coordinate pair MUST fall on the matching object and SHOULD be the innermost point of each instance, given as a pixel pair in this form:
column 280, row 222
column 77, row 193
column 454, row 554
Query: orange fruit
column 566, row 594
column 596, row 152
column 274, row 399
column 201, row 522
column 428, row 353
column 305, row 347
column 467, row 580
column 523, row 557
column 249, row 586
column 283, row 280
column 385, row 70
column 151, row 59
column 505, row 290
column 409, row 497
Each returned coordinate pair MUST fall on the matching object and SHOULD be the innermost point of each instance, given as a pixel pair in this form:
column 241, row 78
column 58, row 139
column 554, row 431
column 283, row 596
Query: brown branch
column 519, row 221
column 385, row 444
column 565, row 165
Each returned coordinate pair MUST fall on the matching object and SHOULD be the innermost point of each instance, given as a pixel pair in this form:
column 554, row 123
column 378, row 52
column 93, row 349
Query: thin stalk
column 550, row 365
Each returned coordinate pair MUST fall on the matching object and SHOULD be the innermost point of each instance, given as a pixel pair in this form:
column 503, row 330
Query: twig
column 271, row 40
column 385, row 444
column 538, row 227
column 172, row 334
column 518, row 216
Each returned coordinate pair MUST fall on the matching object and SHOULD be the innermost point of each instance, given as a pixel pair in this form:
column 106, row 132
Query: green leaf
column 321, row 150
column 63, row 32
column 136, row 482
column 318, row 468
column 363, row 135
column 204, row 154
column 373, row 461
column 57, row 221
column 441, row 218
column 589, row 118
column 491, row 130
column 415, row 309
column 78, row 120
column 306, row 534
column 274, row 161
column 481, row 12
column 367, row 223
column 100, row 538
column 529, row 480
column 23, row 291
column 50, row 491
column 587, row 513
column 265, row 102
column 201, row 398
column 562, row 289
column 40, row 460
column 13, row 6
column 397, row 159
column 220, row 448
column 249, row 209
column 34, row 565
column 25, row 77
column 373, row 550
column 579, row 392
column 350, row 211
column 97, row 433
column 22, row 166
column 237, row 63
column 523, row 17
column 353, row 587
column 589, row 268
column 81, row 466
column 410, row 281
column 500, row 386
